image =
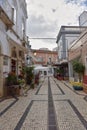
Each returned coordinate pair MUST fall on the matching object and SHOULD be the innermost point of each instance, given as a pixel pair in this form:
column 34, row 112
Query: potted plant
column 13, row 84
column 60, row 74
column 79, row 68
column 11, row 79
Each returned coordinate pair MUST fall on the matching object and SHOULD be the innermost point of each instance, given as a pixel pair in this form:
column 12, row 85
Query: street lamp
column 35, row 53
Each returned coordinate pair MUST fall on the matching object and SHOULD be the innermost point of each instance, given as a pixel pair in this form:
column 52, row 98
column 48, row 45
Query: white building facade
column 65, row 38
column 79, row 48
column 83, row 19
column 13, row 39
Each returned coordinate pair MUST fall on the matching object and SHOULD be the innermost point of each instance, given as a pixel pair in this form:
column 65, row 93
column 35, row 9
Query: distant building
column 66, row 36
column 55, row 49
column 43, row 49
column 78, row 52
column 45, row 57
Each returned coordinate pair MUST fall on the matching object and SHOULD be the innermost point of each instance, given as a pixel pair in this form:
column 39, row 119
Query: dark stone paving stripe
column 73, row 90
column 40, row 100
column 52, row 124
column 69, row 88
column 81, row 118
column 8, row 107
column 84, row 122
column 85, row 98
column 6, row 98
column 39, row 89
column 21, row 121
column 59, row 88
column 41, row 94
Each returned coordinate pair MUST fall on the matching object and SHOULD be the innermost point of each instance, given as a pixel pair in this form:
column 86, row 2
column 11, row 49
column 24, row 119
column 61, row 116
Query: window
column 5, row 60
column 23, row 31
column 14, row 53
column 15, row 15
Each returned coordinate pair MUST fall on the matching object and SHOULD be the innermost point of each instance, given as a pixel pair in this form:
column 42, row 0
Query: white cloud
column 36, row 44
column 46, row 16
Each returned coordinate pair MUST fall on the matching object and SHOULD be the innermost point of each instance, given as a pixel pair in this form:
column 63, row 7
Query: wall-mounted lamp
column 35, row 53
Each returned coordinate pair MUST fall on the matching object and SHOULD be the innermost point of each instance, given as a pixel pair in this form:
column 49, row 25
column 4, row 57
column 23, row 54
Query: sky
column 45, row 17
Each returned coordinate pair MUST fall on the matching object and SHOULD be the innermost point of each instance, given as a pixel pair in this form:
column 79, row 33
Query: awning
column 41, row 68
column 64, row 61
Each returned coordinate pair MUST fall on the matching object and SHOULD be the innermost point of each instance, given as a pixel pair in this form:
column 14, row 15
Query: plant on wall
column 79, row 68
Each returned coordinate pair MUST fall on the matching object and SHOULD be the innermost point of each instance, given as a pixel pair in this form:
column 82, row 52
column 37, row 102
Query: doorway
column 13, row 65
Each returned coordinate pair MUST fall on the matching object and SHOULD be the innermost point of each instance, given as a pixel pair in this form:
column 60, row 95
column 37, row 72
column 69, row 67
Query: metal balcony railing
column 6, row 8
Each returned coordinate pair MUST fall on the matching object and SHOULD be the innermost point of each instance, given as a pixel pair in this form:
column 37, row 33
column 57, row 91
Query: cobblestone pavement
column 53, row 105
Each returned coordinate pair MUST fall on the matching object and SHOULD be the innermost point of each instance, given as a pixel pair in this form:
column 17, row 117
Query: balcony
column 6, row 13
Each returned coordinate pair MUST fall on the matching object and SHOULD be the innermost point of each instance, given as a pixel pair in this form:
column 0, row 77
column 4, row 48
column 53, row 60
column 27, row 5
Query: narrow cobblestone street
column 53, row 105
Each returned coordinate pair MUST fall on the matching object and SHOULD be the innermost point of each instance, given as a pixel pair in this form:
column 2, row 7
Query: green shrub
column 79, row 68
column 29, row 75
column 12, row 79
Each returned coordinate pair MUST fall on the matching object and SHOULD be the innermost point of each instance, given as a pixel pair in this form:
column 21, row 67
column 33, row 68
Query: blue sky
column 45, row 17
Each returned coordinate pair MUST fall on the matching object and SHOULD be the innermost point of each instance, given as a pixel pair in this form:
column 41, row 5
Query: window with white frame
column 15, row 16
